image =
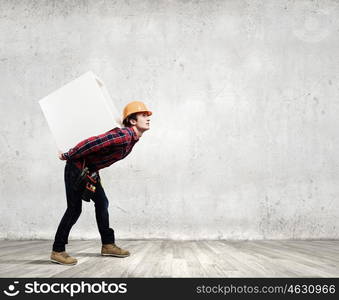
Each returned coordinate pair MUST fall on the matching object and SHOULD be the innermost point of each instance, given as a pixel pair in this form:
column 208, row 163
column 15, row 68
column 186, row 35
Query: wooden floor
column 166, row 258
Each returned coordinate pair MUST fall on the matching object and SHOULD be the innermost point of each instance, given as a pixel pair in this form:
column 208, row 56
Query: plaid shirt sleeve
column 117, row 136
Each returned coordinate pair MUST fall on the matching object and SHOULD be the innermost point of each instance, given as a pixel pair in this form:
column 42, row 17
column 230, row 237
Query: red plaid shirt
column 103, row 150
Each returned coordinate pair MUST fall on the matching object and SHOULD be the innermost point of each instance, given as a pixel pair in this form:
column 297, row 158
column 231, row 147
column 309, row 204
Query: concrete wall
column 244, row 140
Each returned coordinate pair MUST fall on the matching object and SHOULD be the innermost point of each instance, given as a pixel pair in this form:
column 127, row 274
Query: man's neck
column 138, row 132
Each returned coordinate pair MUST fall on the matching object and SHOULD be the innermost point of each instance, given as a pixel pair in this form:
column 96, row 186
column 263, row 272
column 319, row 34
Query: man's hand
column 60, row 155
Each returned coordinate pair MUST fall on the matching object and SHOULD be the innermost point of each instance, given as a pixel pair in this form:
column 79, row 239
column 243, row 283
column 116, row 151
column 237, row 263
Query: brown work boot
column 63, row 258
column 113, row 250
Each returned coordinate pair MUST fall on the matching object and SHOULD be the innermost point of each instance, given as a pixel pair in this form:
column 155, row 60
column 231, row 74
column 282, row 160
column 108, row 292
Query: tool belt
column 86, row 183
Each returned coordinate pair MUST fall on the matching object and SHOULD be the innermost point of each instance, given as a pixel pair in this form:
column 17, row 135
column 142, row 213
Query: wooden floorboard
column 168, row 258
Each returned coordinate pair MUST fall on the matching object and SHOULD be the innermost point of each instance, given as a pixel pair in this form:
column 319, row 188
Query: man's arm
column 96, row 143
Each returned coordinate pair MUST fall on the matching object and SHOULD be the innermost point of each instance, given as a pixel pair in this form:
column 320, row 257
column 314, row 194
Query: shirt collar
column 134, row 134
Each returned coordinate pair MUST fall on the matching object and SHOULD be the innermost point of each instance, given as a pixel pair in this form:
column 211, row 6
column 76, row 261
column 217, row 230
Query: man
column 98, row 152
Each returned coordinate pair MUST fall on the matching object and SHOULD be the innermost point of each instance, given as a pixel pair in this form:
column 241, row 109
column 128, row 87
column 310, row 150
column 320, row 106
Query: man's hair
column 127, row 121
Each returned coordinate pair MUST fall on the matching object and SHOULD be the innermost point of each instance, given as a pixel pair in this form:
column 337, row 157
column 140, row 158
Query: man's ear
column 133, row 122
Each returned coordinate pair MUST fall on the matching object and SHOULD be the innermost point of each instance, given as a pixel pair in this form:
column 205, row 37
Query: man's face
column 143, row 121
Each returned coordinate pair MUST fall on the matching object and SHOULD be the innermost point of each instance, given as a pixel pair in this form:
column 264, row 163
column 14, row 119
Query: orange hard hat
column 135, row 107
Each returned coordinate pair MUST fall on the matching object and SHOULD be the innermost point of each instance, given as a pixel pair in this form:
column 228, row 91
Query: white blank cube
column 78, row 110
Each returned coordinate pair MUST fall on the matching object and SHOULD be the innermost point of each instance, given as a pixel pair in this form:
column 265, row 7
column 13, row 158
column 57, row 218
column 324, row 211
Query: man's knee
column 75, row 211
column 103, row 205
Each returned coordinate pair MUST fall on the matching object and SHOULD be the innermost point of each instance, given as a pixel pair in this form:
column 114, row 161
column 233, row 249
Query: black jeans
column 73, row 211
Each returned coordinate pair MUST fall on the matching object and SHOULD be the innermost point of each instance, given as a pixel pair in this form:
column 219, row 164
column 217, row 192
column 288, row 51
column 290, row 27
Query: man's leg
column 101, row 213
column 73, row 211
column 107, row 234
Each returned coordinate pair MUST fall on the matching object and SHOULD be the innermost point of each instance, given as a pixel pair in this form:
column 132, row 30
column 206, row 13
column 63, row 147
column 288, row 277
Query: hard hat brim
column 149, row 113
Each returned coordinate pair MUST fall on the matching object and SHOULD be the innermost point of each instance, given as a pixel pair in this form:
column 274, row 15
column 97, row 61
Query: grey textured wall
column 244, row 139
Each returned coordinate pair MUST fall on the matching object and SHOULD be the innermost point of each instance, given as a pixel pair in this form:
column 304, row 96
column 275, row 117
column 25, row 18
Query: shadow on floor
column 45, row 261
column 82, row 254
column 39, row 262
column 26, row 261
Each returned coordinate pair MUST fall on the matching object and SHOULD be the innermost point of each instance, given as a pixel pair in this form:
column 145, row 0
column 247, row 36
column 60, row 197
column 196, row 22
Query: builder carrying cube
column 95, row 153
